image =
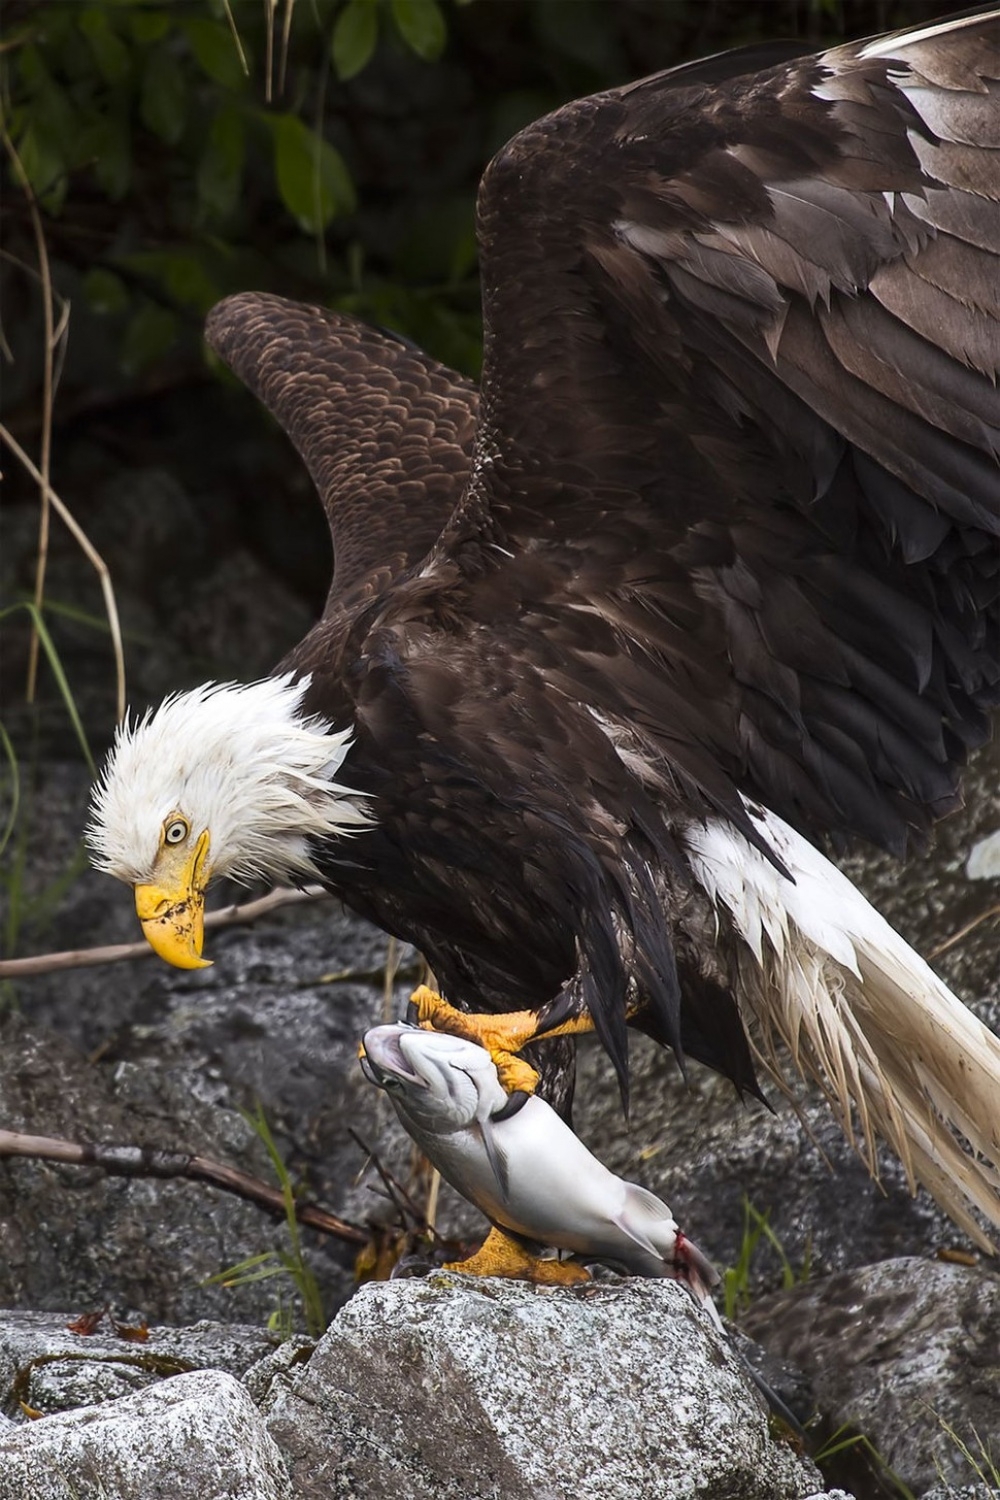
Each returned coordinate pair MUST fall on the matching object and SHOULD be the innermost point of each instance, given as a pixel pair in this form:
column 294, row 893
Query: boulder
column 456, row 1389
column 49, row 1367
column 907, row 1352
column 194, row 1437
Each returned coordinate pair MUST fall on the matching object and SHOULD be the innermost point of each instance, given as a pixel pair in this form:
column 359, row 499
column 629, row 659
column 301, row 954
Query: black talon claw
column 517, row 1100
column 412, row 1013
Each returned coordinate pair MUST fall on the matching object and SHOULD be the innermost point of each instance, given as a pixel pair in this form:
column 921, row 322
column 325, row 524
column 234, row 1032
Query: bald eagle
column 705, row 573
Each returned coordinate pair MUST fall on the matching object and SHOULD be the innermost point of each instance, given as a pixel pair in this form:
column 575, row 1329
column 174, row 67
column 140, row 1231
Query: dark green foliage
column 182, row 151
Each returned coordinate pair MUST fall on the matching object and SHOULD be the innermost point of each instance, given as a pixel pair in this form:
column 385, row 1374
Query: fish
column 523, row 1167
column 519, row 1162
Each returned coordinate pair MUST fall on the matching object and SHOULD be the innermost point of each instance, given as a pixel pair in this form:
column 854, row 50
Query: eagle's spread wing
column 736, row 473
column 385, row 431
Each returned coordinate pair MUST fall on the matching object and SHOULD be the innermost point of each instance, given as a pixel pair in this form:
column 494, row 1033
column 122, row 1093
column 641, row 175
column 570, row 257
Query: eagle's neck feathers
column 246, row 762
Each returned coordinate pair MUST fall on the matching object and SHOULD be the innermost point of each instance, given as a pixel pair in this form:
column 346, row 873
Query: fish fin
column 495, row 1155
column 641, row 1216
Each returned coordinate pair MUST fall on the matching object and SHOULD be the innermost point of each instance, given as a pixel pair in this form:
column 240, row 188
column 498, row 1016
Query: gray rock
column 260, row 1377
column 72, row 1237
column 907, row 1352
column 451, row 1389
column 984, row 1491
column 49, row 1368
column 195, row 1437
column 174, row 1057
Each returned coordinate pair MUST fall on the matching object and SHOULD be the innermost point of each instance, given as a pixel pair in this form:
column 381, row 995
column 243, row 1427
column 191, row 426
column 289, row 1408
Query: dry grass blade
column 15, row 788
column 286, row 32
column 48, row 395
column 270, row 7
column 237, row 41
column 93, row 557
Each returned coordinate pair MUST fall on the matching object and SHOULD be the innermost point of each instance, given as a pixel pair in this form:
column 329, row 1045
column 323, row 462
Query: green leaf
column 161, row 104
column 147, row 338
column 215, row 50
column 220, row 170
column 182, row 274
column 149, row 25
column 422, row 27
column 312, row 179
column 105, row 292
column 44, row 166
column 188, row 282
column 108, row 145
column 354, row 37
column 110, row 52
column 32, row 69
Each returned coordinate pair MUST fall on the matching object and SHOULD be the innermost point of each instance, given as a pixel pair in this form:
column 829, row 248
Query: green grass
column 736, row 1278
column 290, row 1263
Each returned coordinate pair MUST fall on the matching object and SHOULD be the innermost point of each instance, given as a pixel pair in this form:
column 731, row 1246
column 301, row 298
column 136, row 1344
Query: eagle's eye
column 176, row 831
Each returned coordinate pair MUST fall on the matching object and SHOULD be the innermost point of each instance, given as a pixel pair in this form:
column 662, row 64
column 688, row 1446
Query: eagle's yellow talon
column 502, row 1036
column 502, row 1255
column 515, row 1075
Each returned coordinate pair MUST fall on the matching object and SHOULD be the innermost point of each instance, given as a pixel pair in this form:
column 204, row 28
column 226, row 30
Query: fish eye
column 176, row 831
column 391, row 1083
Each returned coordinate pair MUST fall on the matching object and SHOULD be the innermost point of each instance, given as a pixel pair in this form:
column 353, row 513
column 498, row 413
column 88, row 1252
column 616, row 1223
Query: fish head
column 438, row 1083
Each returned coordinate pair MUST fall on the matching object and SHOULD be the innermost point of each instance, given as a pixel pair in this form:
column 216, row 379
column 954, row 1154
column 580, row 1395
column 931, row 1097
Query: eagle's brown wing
column 385, row 431
column 736, row 482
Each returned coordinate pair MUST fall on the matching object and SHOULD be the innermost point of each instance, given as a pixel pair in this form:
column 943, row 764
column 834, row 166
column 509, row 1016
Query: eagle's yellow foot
column 502, row 1036
column 502, row 1255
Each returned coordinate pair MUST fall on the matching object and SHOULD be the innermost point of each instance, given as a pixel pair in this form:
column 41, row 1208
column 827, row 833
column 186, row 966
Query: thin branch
column 286, row 32
column 93, row 557
column 270, row 6
column 401, row 1200
column 113, row 953
column 393, row 954
column 149, row 1161
column 963, row 932
column 236, row 38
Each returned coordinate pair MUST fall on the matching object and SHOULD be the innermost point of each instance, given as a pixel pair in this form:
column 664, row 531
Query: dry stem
column 111, row 953
column 93, row 557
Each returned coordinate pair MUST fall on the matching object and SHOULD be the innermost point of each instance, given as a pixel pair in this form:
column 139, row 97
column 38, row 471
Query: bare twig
column 112, row 953
column 401, row 1200
column 149, row 1161
column 93, row 557
column 433, row 1193
column 286, row 32
column 270, row 7
column 236, row 38
column 963, row 932
column 392, row 957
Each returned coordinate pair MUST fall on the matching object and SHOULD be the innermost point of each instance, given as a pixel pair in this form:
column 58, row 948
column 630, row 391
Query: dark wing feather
column 736, row 474
column 385, row 431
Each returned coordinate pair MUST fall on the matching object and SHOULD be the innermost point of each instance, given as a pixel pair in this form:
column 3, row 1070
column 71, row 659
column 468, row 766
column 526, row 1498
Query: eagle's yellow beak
column 172, row 908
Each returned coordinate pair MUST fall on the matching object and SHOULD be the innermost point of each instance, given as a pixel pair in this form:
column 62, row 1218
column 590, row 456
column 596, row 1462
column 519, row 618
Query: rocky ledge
column 440, row 1389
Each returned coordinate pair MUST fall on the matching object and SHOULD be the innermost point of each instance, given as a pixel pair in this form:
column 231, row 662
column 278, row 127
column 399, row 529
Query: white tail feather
column 862, row 1014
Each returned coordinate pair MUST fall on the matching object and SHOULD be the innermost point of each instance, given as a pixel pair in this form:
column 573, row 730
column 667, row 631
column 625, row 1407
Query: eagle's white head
column 227, row 779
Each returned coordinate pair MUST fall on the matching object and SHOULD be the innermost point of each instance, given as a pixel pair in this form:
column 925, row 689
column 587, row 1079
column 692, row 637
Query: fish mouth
column 383, row 1057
